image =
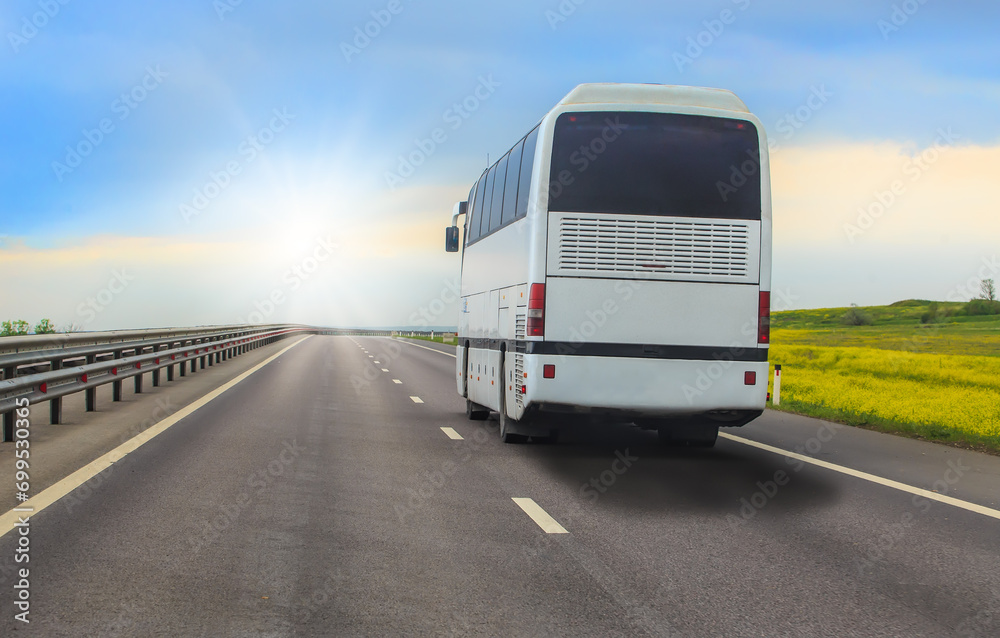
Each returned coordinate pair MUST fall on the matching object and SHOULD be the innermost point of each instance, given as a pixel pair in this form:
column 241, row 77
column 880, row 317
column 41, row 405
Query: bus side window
column 498, row 188
column 486, row 210
column 510, row 190
column 470, row 216
column 527, row 162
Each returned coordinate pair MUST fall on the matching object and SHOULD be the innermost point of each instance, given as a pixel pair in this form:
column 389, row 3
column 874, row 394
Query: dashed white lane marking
column 371, row 356
column 452, row 434
column 416, row 399
column 903, row 487
column 378, row 362
column 396, row 381
column 385, row 369
column 540, row 516
column 53, row 493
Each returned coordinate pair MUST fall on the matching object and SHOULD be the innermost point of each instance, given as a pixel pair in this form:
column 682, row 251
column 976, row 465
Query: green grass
column 824, row 378
column 896, row 327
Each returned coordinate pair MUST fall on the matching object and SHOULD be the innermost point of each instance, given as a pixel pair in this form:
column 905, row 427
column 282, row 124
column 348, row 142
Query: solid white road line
column 447, row 354
column 452, row 434
column 903, row 487
column 396, row 381
column 537, row 514
column 416, row 399
column 53, row 493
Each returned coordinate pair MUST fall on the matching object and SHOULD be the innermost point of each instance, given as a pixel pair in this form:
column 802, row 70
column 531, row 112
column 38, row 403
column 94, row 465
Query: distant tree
column 978, row 307
column 856, row 317
column 932, row 313
column 71, row 327
column 988, row 290
column 14, row 328
column 44, row 327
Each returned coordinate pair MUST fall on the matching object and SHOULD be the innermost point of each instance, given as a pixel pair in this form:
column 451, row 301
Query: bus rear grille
column 655, row 248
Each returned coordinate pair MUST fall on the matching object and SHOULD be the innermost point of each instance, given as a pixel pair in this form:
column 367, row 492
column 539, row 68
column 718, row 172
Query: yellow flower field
column 933, row 394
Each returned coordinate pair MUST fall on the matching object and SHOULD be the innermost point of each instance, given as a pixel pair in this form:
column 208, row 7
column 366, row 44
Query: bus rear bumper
column 646, row 388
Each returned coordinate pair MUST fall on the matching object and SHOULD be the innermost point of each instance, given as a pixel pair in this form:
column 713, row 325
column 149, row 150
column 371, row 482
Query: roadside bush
column 14, row 328
column 44, row 327
column 982, row 307
column 857, row 317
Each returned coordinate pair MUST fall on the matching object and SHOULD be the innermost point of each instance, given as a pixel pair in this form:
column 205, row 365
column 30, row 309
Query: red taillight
column 536, row 310
column 764, row 318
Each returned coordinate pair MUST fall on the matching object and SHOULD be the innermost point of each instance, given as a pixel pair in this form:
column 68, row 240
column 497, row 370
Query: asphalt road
column 320, row 496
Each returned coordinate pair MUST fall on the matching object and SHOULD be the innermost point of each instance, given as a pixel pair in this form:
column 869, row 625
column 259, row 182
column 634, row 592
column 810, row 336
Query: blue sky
column 216, row 74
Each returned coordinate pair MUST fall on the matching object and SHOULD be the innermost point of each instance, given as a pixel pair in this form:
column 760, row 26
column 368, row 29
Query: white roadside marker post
column 776, row 399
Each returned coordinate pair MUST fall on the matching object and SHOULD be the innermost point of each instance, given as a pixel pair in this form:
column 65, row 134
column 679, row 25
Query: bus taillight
column 764, row 318
column 536, row 310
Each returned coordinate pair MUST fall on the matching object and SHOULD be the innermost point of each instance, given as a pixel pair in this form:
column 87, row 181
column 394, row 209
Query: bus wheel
column 476, row 412
column 506, row 435
column 506, row 423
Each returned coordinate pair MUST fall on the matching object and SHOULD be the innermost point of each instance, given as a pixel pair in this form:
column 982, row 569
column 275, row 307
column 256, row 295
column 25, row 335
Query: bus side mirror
column 451, row 239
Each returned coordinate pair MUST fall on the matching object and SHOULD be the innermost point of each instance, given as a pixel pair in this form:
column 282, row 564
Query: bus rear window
column 644, row 163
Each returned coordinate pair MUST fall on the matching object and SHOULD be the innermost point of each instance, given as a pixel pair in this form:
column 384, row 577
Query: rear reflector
column 549, row 371
column 749, row 378
column 536, row 310
column 764, row 318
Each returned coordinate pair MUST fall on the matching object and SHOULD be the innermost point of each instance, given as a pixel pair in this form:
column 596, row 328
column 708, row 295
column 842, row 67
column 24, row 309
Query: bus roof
column 609, row 93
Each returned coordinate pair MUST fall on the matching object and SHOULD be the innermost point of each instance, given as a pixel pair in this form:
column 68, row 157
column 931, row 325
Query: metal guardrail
column 355, row 332
column 105, row 362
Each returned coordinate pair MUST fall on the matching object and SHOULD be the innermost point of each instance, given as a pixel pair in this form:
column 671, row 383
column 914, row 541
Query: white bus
column 616, row 264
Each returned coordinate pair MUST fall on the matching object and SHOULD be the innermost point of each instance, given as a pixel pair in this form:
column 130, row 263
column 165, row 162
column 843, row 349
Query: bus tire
column 476, row 412
column 507, row 434
column 506, row 430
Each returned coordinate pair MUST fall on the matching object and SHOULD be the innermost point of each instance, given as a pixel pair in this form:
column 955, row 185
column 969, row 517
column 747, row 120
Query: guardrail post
column 55, row 405
column 9, row 372
column 116, row 386
column 90, row 394
column 156, row 378
column 8, row 426
column 138, row 383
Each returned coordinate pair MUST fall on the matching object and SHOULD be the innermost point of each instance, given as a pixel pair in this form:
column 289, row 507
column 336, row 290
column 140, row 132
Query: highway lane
column 319, row 497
